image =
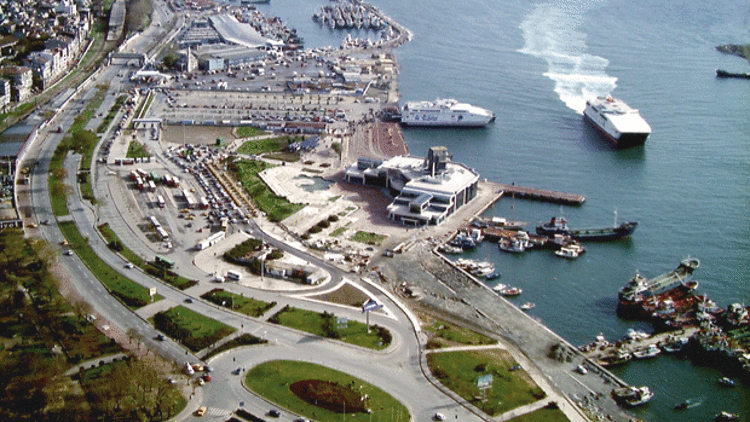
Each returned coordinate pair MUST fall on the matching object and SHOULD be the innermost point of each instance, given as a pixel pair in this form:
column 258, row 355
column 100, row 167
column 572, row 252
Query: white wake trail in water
column 551, row 33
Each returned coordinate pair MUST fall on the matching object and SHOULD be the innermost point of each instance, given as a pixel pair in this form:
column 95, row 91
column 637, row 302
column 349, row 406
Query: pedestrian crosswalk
column 213, row 411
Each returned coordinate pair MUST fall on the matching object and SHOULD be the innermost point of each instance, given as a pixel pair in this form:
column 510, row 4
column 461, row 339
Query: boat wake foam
column 551, row 33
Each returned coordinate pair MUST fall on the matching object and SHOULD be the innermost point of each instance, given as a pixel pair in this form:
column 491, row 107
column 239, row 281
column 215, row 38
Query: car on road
column 188, row 300
column 438, row 416
column 582, row 370
column 160, row 337
column 68, row 252
column 201, row 411
column 274, row 413
column 237, row 371
column 129, row 265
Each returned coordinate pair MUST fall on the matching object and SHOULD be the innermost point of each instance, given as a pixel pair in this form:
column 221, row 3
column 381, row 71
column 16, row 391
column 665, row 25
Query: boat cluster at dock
column 511, row 238
column 346, row 14
column 685, row 322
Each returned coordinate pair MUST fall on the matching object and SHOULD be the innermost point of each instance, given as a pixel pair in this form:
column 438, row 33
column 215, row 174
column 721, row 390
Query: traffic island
column 323, row 394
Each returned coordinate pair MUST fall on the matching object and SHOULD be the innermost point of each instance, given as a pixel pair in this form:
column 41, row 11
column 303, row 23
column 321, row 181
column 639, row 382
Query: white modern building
column 427, row 190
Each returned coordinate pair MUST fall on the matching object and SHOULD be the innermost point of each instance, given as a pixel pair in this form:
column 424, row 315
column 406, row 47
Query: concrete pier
column 543, row 195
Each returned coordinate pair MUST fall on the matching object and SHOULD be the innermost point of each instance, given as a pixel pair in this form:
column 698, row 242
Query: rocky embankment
column 735, row 49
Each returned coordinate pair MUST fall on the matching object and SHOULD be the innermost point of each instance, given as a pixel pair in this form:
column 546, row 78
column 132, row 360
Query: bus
column 160, row 261
column 234, row 275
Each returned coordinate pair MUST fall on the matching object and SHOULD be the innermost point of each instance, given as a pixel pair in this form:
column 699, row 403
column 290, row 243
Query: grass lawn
column 196, row 331
column 368, row 238
column 338, row 232
column 90, row 375
column 314, row 323
column 276, row 207
column 245, row 305
column 136, row 150
column 272, row 380
column 131, row 293
column 510, row 389
column 542, row 415
column 444, row 334
column 248, row 131
column 259, row 146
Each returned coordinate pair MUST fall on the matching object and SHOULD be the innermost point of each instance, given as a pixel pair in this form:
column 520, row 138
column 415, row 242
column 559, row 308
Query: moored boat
column 640, row 289
column 510, row 291
column 493, row 275
column 528, row 305
column 675, row 346
column 559, row 226
column 514, row 244
column 445, row 112
column 568, row 252
column 618, row 358
column 632, row 396
column 649, row 352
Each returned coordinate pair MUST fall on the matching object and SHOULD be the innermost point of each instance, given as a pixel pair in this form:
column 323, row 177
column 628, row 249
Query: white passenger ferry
column 444, row 112
column 621, row 124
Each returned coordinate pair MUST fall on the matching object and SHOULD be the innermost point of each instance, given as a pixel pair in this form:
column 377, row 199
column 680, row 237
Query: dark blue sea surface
column 534, row 64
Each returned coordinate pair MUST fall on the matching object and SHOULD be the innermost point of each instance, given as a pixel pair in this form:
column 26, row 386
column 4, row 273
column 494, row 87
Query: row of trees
column 42, row 336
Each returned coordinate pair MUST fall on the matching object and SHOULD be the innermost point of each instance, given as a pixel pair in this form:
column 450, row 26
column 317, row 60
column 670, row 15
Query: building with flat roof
column 428, row 190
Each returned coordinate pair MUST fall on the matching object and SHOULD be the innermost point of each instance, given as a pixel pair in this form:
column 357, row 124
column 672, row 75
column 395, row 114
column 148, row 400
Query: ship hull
column 622, row 231
column 423, row 123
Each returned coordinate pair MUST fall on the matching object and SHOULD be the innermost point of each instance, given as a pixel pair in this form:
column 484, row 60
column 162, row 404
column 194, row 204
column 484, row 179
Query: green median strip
column 128, row 291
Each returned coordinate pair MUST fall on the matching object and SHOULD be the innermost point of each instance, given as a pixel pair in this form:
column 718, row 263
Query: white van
column 234, row 275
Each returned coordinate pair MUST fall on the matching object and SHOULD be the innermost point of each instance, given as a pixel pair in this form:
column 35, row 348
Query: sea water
column 535, row 64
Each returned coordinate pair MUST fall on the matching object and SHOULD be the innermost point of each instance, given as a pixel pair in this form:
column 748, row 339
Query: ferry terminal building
column 427, row 190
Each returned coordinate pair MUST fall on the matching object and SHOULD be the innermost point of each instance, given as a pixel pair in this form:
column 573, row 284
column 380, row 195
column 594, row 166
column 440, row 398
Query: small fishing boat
column 650, row 352
column 500, row 287
column 632, row 396
column 566, row 252
column 510, row 291
column 528, row 305
column 493, row 275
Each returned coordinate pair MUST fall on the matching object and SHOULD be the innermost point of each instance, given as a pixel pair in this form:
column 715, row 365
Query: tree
column 169, row 60
column 82, row 309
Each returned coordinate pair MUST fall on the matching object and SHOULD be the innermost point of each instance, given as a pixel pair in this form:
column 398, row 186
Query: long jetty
column 543, row 195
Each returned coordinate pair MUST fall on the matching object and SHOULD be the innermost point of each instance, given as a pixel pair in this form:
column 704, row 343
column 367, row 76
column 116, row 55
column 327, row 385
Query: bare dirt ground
column 346, row 295
column 197, row 135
